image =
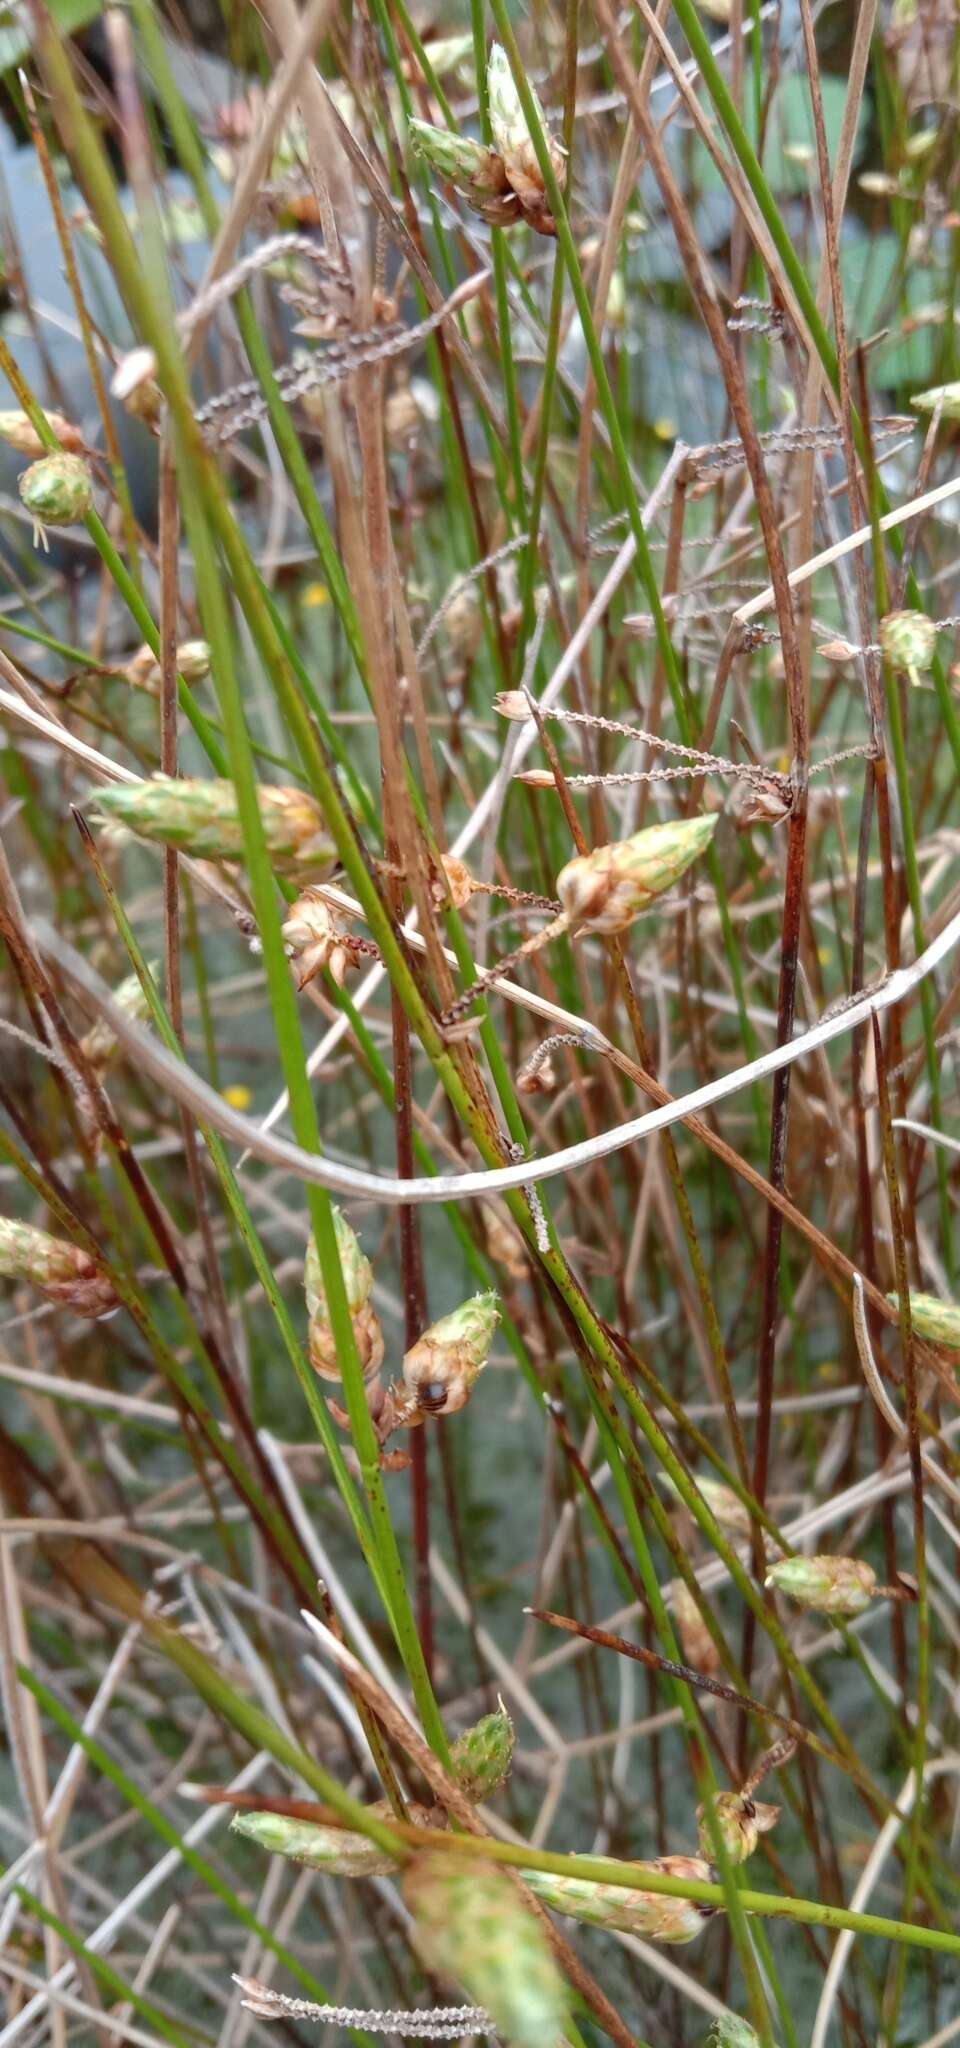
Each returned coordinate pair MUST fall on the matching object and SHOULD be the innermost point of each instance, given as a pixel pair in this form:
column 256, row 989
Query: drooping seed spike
column 202, row 818
column 605, row 890
column 440, row 1370
column 832, row 1585
column 651, row 1914
column 482, row 1755
column 471, row 1927
column 61, row 1271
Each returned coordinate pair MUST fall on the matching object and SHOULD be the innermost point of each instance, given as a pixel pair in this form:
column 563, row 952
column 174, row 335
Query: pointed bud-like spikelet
column 20, row 433
column 460, row 884
column 696, row 1642
column 468, row 166
column 62, row 1271
column 650, row 1914
column 538, row 1079
column 315, row 939
column 604, row 891
column 512, row 704
column 937, row 1320
column 731, row 2032
column 723, row 1503
column 463, row 623
column 358, row 1283
column 338, row 1851
column 99, row 1043
column 202, row 818
column 513, row 141
column 57, row 490
column 471, row 1926
column 741, row 1820
column 833, row 1585
column 440, row 1370
column 504, row 1241
column 908, row 640
column 193, row 664
column 482, row 1755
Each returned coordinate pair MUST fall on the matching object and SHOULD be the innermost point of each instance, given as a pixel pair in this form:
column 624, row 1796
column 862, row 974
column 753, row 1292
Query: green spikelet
column 605, row 890
column 202, row 818
column 833, row 1585
column 61, row 1271
column 358, row 1284
column 57, row 490
column 731, row 2032
column 471, row 1926
column 99, row 1043
column 482, row 1755
column 440, row 1370
column 467, row 165
column 338, row 1851
column 933, row 1318
column 652, row 1914
column 909, row 640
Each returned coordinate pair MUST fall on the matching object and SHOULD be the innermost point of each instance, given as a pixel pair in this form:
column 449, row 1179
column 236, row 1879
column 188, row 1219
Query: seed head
column 471, row 1926
column 935, row 1319
column 696, row 1642
column 315, row 939
column 514, row 143
column 605, row 890
column 202, row 818
column 833, row 1585
column 57, row 490
column 338, row 1851
column 358, row 1283
column 741, row 1820
column 909, row 640
column 482, row 1755
column 62, row 1271
column 633, row 1912
column 19, row 432
column 440, row 1370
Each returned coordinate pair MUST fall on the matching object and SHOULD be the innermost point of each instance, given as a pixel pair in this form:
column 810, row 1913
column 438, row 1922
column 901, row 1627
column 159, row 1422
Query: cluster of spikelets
column 504, row 184
column 471, row 1927
column 439, row 1372
column 600, row 893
